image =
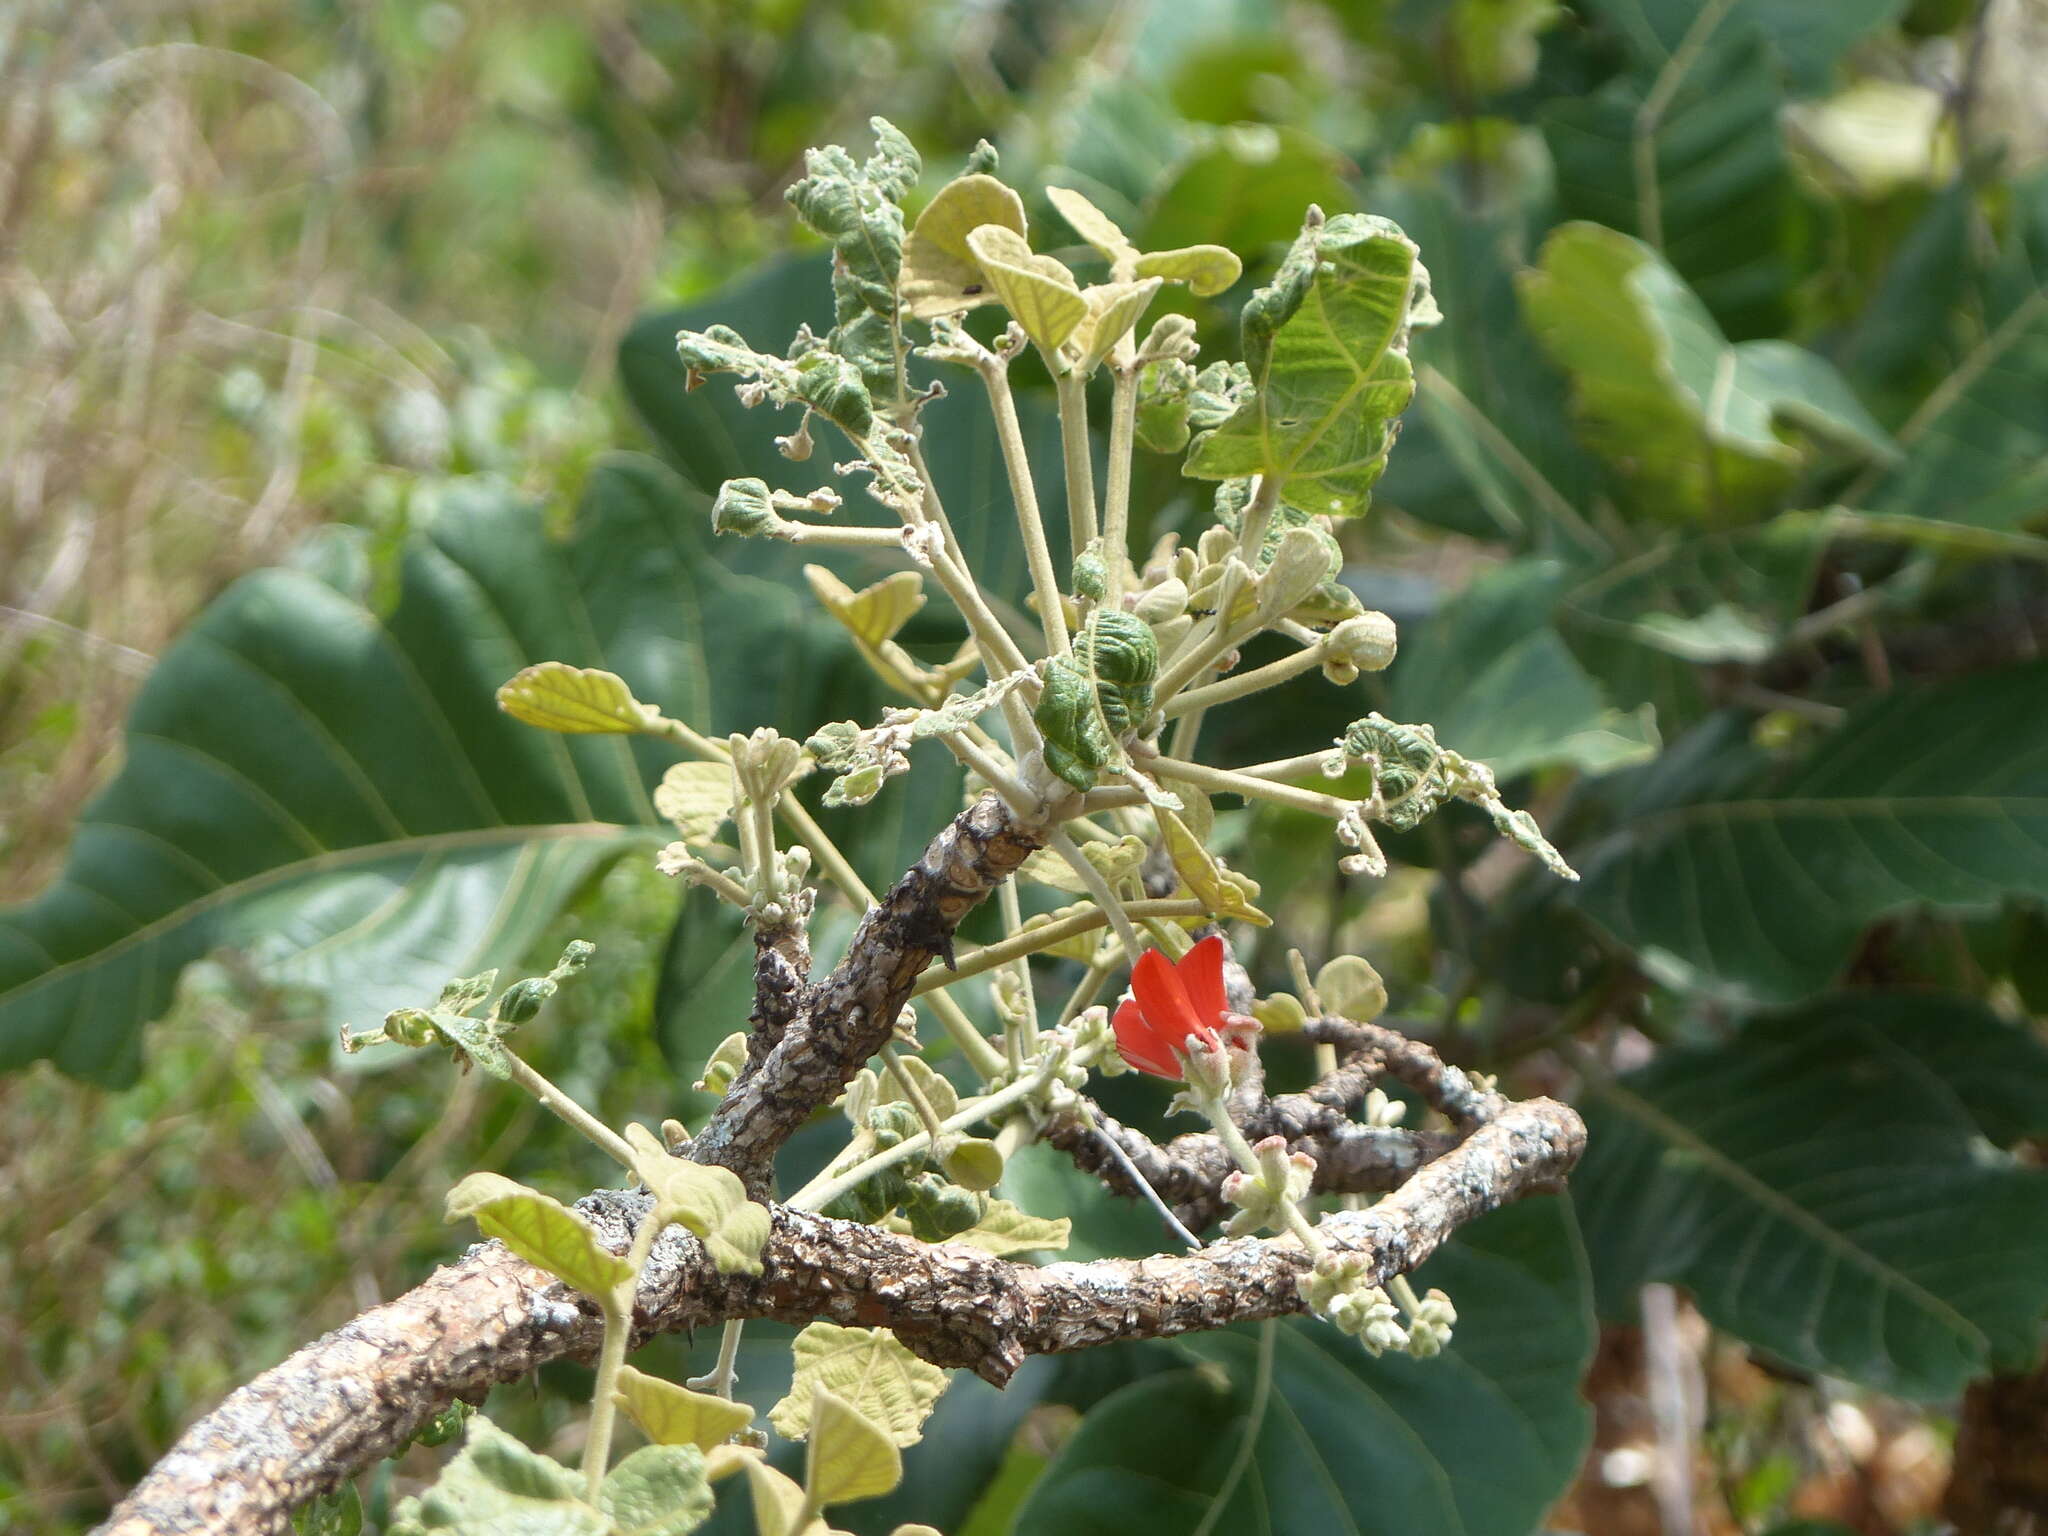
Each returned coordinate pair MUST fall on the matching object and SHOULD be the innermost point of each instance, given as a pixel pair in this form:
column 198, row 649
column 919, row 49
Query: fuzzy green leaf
column 498, row 1486
column 577, row 701
column 1040, row 294
column 671, row 1415
column 940, row 274
column 869, row 1371
column 852, row 1457
column 541, row 1230
column 1326, row 345
column 659, row 1490
column 697, row 797
column 710, row 1201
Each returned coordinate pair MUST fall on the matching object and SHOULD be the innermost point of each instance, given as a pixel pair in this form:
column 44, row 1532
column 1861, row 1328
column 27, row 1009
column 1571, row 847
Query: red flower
column 1172, row 1005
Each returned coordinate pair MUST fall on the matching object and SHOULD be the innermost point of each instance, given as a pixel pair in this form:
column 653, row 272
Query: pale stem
column 1116, row 505
column 719, row 883
column 1098, row 887
column 1257, row 680
column 993, row 773
column 1224, row 781
column 618, row 1332
column 999, row 651
column 1241, row 1151
column 1326, row 1053
column 907, row 1085
column 824, row 1189
column 1031, row 941
column 1052, row 615
column 1209, row 642
column 1073, row 396
column 850, row 537
column 1025, row 1028
column 723, row 1376
column 566, row 1109
column 1287, row 767
column 1257, row 517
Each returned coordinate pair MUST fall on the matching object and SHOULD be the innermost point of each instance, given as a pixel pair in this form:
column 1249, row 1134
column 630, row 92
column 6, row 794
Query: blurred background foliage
column 337, row 346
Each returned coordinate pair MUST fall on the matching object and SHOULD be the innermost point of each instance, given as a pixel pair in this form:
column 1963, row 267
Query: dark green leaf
column 1809, row 36
column 1825, row 1186
column 333, row 789
column 1760, row 880
column 1478, row 1441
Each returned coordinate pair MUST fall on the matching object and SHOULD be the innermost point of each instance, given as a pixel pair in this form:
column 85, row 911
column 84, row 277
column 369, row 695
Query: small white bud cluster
column 1382, row 1111
column 1335, row 1292
column 1092, row 1029
column 1262, row 1199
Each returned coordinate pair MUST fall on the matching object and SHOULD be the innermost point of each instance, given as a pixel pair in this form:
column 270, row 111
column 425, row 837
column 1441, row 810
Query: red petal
column 1165, row 1001
column 1139, row 1044
column 1201, row 977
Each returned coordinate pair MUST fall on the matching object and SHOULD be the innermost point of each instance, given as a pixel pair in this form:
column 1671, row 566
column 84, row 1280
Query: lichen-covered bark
column 354, row 1396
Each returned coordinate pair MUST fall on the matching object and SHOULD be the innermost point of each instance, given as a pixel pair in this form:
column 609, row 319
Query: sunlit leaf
column 577, row 701
column 497, row 1485
column 851, row 1457
column 1006, row 1229
column 541, row 1230
column 1040, row 293
column 671, row 1415
column 867, row 1369
column 697, row 797
column 941, row 276
column 709, row 1200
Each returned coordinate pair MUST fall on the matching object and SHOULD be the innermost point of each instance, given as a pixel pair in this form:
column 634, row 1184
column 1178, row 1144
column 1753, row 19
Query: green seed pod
column 1091, row 576
column 973, row 1162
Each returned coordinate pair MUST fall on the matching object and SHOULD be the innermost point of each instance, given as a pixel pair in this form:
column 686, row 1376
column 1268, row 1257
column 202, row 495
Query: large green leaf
column 1701, row 430
column 1760, row 877
column 330, row 786
column 1497, row 681
column 1327, row 346
column 1978, row 443
column 1827, row 1186
column 1706, row 179
column 1477, row 1442
column 1810, row 37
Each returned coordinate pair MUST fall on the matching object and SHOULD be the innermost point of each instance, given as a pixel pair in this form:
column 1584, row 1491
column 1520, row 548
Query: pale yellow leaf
column 778, row 1502
column 541, row 1230
column 867, row 1367
column 1351, row 989
column 851, row 1456
column 1221, row 891
column 1092, row 224
column 939, row 274
column 1117, row 861
column 1300, row 565
column 710, row 1201
column 1039, row 293
column 1113, row 308
column 697, row 797
column 873, row 614
column 1206, row 269
column 577, row 701
column 671, row 1415
column 1280, row 1014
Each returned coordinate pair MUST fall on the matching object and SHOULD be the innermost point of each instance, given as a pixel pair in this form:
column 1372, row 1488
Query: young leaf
column 1006, row 1228
column 577, row 701
column 659, row 1490
column 1093, row 226
column 778, row 1502
column 1327, row 347
column 1351, row 989
column 1113, row 309
column 870, row 1370
column 851, row 1456
column 873, row 614
column 697, row 797
column 476, row 1038
column 940, row 1094
column 1222, row 892
column 671, row 1415
column 541, row 1230
column 940, row 274
column 1038, row 291
column 497, row 1485
column 1207, row 269
column 710, row 1201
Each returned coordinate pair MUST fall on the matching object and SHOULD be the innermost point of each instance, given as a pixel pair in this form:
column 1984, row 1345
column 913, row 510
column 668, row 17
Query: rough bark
column 850, row 1014
column 356, row 1395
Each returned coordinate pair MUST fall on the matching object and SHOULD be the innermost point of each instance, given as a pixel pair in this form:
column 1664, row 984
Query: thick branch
column 851, row 1013
column 356, row 1395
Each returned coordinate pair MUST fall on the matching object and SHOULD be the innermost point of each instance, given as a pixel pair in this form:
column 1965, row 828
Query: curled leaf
column 1206, row 269
column 1093, row 226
